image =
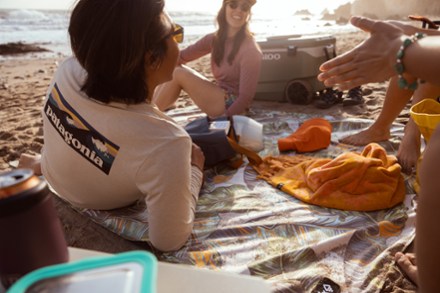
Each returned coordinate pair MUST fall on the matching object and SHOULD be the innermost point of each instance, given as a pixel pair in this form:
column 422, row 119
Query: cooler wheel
column 299, row 92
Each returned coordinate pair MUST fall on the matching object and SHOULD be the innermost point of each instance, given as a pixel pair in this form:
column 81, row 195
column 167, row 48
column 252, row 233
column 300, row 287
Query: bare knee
column 167, row 243
column 206, row 95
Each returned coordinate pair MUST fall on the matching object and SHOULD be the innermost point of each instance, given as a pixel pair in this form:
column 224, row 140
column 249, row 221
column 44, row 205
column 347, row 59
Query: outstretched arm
column 428, row 217
column 373, row 60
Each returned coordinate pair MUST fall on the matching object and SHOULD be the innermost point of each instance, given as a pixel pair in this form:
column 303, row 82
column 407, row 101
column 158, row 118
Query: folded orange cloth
column 367, row 181
column 314, row 134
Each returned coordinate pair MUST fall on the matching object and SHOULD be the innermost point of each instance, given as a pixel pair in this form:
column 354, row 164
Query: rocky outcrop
column 303, row 12
column 395, row 9
column 384, row 9
column 341, row 15
column 19, row 48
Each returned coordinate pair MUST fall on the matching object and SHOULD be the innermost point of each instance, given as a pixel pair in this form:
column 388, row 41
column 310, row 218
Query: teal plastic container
column 128, row 272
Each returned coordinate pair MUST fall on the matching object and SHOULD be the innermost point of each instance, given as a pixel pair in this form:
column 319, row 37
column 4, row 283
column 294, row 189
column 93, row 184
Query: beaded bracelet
column 402, row 82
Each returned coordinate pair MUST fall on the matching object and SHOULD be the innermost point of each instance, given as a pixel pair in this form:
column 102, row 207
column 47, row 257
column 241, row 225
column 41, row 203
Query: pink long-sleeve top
column 239, row 78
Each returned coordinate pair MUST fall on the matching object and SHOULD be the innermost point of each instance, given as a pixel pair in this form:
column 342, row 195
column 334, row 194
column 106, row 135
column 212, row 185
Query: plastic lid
column 129, row 272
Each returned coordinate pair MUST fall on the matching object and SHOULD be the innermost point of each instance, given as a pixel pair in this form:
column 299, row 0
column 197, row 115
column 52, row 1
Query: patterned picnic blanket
column 244, row 225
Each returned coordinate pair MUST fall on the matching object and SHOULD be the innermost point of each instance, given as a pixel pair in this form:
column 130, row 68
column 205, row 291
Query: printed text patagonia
column 71, row 140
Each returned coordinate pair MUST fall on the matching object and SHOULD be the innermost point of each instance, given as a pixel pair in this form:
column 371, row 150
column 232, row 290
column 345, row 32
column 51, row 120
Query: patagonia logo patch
column 78, row 134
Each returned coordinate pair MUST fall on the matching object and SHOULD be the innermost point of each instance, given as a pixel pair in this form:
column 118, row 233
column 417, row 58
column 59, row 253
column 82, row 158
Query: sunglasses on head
column 177, row 33
column 236, row 4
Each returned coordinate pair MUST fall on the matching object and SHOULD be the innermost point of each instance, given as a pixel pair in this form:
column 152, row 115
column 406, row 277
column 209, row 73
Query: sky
column 268, row 7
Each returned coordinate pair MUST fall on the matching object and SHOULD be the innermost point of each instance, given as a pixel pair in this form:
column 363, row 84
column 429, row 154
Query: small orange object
column 314, row 134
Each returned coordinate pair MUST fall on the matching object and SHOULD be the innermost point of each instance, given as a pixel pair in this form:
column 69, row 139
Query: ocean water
column 48, row 28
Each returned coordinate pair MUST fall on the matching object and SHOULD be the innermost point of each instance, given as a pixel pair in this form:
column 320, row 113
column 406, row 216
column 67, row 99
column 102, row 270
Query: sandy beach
column 24, row 81
column 23, row 85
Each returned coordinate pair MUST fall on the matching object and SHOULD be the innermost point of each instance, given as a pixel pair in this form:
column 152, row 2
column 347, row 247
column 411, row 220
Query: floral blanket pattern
column 244, row 225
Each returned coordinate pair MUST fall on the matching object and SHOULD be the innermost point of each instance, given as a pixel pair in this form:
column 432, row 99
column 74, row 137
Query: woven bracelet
column 400, row 68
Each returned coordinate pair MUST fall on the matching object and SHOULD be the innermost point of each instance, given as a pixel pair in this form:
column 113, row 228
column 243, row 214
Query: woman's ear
column 151, row 62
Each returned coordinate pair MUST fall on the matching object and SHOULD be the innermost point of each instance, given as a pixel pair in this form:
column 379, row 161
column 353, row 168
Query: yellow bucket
column 426, row 114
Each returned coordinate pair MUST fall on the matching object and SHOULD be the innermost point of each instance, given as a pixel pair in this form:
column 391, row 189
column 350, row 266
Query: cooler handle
column 291, row 50
column 330, row 49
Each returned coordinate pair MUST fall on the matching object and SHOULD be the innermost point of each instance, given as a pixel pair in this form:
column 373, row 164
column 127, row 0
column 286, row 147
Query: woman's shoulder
column 70, row 64
column 251, row 43
column 69, row 78
column 157, row 121
column 70, row 69
column 251, row 47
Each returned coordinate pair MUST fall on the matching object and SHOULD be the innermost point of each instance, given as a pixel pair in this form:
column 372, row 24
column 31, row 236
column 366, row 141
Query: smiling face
column 237, row 14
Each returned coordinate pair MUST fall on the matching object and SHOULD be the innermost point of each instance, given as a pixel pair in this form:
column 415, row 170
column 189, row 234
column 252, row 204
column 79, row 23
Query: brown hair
column 110, row 39
column 221, row 35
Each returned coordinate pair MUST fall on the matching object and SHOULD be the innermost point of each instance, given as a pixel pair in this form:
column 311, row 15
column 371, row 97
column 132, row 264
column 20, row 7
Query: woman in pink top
column 235, row 64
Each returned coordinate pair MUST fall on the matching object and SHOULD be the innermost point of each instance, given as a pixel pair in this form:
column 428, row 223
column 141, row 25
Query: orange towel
column 367, row 181
column 314, row 134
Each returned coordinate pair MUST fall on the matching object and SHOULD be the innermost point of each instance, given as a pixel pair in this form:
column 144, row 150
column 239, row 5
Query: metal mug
column 31, row 233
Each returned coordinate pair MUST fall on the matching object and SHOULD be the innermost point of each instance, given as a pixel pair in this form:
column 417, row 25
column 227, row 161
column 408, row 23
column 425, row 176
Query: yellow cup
column 426, row 114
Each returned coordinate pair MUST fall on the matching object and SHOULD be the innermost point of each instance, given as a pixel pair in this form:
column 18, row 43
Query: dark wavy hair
column 110, row 39
column 218, row 51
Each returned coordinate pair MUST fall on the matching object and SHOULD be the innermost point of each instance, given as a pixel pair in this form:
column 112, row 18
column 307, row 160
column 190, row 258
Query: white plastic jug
column 250, row 132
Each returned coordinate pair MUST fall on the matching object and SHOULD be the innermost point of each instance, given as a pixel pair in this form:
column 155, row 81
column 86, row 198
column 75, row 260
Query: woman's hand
column 371, row 61
column 197, row 157
column 32, row 162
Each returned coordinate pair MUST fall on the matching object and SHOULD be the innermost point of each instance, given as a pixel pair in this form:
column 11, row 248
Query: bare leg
column 407, row 263
column 206, row 95
column 32, row 162
column 427, row 240
column 409, row 149
column 394, row 102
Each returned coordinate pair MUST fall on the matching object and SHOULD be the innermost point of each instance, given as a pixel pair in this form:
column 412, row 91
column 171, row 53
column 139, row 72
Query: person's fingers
column 337, row 61
column 365, row 24
column 342, row 72
column 398, row 255
column 32, row 162
column 405, row 258
column 197, row 157
column 196, row 149
column 338, row 74
column 411, row 257
column 407, row 265
column 375, row 26
column 404, row 261
column 343, row 77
